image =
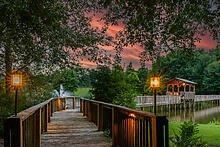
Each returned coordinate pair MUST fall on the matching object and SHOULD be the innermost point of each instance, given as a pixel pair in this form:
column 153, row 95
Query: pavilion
column 181, row 87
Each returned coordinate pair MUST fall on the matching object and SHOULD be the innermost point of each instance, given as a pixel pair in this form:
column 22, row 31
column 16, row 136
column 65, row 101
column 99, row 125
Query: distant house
column 181, row 87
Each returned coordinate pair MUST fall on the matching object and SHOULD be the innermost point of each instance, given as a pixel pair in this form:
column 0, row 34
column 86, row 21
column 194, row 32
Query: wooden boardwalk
column 69, row 128
column 145, row 101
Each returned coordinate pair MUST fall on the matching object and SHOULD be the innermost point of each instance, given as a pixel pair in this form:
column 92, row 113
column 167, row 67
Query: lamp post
column 154, row 84
column 17, row 82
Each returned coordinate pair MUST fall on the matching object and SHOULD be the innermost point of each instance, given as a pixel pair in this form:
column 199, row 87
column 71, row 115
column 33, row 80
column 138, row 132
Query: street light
column 154, row 84
column 17, row 81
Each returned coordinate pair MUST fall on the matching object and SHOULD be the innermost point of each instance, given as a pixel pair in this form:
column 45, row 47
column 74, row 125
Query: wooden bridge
column 144, row 101
column 51, row 124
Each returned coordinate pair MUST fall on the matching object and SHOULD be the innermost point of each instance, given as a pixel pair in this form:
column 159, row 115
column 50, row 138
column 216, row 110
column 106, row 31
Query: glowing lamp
column 155, row 82
column 16, row 80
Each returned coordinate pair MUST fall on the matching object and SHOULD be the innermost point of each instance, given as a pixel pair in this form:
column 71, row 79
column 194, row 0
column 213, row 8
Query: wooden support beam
column 115, row 124
column 13, row 132
column 74, row 102
column 45, row 117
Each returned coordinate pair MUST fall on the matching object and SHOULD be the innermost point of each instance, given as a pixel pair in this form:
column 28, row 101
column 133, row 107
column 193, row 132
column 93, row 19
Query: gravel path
column 70, row 129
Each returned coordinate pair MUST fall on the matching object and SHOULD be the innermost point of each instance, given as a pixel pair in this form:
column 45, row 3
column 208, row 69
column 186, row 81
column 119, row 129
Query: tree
column 188, row 136
column 65, row 77
column 127, row 88
column 130, row 67
column 142, row 74
column 102, row 84
column 176, row 64
column 212, row 78
column 198, row 66
column 162, row 26
column 115, row 86
column 43, row 36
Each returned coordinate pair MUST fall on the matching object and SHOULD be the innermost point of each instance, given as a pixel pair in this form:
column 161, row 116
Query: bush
column 188, row 136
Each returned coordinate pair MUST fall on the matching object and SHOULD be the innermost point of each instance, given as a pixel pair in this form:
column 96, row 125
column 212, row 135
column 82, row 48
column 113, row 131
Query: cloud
column 131, row 53
column 206, row 43
column 88, row 64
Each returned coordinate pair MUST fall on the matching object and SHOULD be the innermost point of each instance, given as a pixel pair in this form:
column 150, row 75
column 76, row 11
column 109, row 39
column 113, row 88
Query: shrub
column 188, row 136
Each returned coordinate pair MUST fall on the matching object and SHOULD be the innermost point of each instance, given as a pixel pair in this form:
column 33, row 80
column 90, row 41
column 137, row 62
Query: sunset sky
column 131, row 54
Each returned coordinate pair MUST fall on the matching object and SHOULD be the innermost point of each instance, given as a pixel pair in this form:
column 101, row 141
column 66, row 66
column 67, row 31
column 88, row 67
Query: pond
column 202, row 113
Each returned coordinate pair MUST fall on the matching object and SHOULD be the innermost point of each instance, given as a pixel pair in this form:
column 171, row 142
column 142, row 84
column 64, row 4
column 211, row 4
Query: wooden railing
column 128, row 127
column 207, row 97
column 161, row 100
column 25, row 129
column 167, row 99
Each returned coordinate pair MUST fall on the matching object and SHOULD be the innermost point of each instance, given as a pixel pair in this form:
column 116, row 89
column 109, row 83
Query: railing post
column 38, row 128
column 154, row 132
column 100, row 117
column 74, row 102
column 42, row 119
column 84, row 108
column 45, row 117
column 81, row 105
column 13, row 132
column 115, row 133
column 52, row 107
column 159, row 131
column 89, row 111
column 49, row 111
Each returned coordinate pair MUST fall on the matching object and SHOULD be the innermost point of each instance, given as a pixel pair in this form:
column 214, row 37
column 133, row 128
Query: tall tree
column 211, row 79
column 142, row 74
column 40, row 36
column 161, row 26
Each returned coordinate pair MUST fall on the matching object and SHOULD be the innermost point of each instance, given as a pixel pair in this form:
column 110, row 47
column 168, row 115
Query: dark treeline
column 202, row 67
column 120, row 85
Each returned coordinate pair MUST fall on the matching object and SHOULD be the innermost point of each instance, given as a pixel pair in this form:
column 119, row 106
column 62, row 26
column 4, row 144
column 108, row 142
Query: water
column 203, row 113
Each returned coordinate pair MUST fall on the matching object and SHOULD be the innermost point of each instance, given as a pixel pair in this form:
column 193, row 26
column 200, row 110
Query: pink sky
column 131, row 54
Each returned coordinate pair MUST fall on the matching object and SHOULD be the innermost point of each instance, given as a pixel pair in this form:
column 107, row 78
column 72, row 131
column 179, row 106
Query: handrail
column 127, row 127
column 147, row 114
column 25, row 129
column 27, row 112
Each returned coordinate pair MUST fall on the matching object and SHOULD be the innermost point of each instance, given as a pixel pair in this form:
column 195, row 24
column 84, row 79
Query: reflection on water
column 198, row 114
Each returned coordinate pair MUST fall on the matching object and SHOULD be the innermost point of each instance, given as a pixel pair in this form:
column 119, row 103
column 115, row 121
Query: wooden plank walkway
column 69, row 128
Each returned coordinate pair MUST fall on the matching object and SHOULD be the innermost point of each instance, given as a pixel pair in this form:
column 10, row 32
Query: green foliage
column 215, row 122
column 142, row 75
column 102, row 84
column 83, row 76
column 115, row 86
column 211, row 78
column 161, row 26
column 188, row 136
column 40, row 37
column 126, row 87
column 66, row 77
column 199, row 66
column 83, row 92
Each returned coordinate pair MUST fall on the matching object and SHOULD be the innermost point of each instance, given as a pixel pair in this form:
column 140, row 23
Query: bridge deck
column 69, row 128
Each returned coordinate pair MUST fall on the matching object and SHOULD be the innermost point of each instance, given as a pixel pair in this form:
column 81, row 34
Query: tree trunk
column 8, row 69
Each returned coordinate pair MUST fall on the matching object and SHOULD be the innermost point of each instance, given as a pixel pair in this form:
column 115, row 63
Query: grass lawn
column 210, row 132
column 83, row 92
